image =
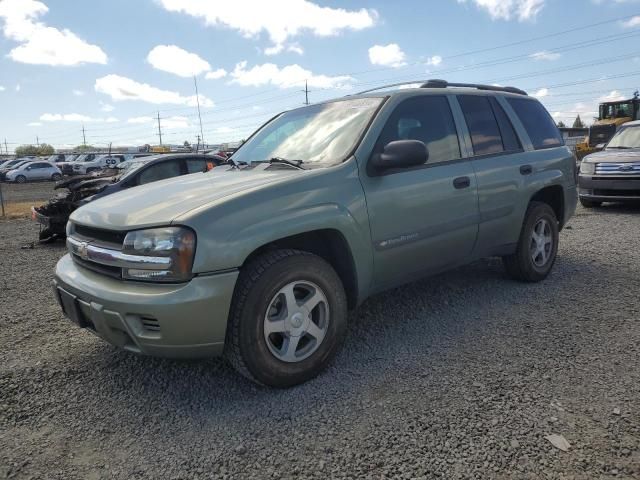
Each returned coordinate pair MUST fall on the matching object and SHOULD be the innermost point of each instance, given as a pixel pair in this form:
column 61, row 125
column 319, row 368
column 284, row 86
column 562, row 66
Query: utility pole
column 37, row 141
column 6, row 147
column 306, row 93
column 84, row 137
column 198, row 144
column 159, row 129
column 195, row 82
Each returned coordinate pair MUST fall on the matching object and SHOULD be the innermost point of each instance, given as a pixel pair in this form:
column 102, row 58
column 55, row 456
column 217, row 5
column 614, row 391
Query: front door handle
column 526, row 169
column 462, row 182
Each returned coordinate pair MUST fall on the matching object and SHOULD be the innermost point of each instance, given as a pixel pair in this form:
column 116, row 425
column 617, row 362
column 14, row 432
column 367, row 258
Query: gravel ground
column 37, row 192
column 458, row 376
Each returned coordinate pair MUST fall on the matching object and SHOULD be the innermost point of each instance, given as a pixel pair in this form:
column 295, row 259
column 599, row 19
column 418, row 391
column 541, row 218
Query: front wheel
column 537, row 246
column 287, row 320
column 56, row 177
column 21, row 179
column 589, row 203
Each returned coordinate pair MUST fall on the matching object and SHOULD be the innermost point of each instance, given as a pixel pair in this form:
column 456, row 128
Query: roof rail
column 494, row 88
column 435, row 83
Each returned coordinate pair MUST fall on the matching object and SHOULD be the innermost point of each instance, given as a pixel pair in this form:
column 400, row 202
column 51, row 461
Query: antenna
column 306, row 93
column 198, row 103
column 159, row 129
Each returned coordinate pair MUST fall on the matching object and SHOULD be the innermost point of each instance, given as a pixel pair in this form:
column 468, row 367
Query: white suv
column 88, row 165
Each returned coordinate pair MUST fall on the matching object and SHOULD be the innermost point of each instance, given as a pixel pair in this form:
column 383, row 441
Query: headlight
column 587, row 168
column 175, row 243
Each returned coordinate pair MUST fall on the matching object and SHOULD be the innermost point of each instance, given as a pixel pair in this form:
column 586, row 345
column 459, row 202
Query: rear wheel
column 537, row 246
column 21, row 179
column 287, row 320
column 56, row 177
column 589, row 203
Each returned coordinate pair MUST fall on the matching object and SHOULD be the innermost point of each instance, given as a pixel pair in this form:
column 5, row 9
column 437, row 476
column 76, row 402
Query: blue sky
column 112, row 65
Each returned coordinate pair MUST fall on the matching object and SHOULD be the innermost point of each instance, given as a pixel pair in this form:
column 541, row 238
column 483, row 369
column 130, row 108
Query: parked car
column 67, row 167
column 58, row 158
column 326, row 205
column 33, row 171
column 54, row 214
column 613, row 174
column 10, row 165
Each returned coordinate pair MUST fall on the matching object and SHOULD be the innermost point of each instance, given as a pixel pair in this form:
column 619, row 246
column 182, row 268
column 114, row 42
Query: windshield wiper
column 284, row 161
column 621, row 148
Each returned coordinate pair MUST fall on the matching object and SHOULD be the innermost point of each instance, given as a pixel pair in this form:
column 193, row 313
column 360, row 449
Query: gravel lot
column 458, row 376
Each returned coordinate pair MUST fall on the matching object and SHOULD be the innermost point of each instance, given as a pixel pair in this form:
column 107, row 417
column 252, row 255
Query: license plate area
column 71, row 309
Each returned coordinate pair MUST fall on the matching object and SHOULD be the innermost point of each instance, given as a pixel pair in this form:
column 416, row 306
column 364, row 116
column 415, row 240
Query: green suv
column 323, row 206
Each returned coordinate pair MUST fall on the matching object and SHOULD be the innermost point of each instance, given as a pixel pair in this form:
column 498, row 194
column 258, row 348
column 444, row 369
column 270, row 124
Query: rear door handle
column 526, row 169
column 461, row 182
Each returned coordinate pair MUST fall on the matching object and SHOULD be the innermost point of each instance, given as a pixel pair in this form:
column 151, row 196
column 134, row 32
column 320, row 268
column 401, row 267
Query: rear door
column 501, row 169
column 424, row 218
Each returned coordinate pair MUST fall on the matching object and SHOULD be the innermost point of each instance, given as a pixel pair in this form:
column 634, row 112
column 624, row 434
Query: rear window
column 537, row 122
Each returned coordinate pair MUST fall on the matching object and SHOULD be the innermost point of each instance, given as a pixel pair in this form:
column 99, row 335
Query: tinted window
column 40, row 165
column 427, row 119
column 510, row 140
column 482, row 124
column 159, row 171
column 537, row 122
column 196, row 165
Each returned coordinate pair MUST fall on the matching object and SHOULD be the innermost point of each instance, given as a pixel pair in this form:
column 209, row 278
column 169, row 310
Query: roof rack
column 435, row 83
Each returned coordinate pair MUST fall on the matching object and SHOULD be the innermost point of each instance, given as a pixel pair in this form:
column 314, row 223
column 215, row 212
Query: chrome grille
column 611, row 168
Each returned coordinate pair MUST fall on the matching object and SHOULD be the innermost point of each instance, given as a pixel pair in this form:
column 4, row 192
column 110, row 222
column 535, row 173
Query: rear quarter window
column 537, row 122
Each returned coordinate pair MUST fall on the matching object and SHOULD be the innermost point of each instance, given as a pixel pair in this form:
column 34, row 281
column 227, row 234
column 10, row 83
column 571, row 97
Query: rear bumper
column 183, row 320
column 604, row 189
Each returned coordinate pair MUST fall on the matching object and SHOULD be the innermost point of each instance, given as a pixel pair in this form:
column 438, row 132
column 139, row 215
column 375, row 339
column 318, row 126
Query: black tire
column 521, row 266
column 589, row 203
column 259, row 282
column 21, row 179
column 56, row 177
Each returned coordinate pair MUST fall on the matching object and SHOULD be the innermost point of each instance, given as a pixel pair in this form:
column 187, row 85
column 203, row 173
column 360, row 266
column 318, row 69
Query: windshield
column 627, row 137
column 127, row 168
column 319, row 135
column 616, row 110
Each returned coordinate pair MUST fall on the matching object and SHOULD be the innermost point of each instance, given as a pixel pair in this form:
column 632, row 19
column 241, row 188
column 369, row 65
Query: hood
column 158, row 203
column 614, row 155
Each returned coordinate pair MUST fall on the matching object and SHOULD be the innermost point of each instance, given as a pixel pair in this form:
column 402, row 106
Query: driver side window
column 427, row 119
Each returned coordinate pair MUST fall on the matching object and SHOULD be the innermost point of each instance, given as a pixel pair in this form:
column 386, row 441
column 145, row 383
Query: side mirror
column 401, row 154
column 28, row 168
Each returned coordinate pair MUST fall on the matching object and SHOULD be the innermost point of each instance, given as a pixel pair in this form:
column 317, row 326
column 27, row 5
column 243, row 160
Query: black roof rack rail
column 435, row 83
column 494, row 88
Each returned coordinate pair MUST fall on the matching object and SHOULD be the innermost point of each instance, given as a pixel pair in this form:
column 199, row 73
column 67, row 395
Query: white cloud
column 543, row 92
column 215, row 74
column 140, row 120
column 289, row 19
column 78, row 93
column 2, row 89
column 632, row 22
column 34, row 124
column 105, row 107
column 173, row 59
column 73, row 117
column 41, row 44
column 285, row 77
column 387, row 55
column 544, row 55
column 18, row 87
column 280, row 47
column 434, row 61
column 508, row 9
column 122, row 88
column 613, row 96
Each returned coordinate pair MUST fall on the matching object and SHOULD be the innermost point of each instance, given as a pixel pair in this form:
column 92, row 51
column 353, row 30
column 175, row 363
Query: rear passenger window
column 428, row 119
column 195, row 165
column 537, row 122
column 482, row 124
column 510, row 140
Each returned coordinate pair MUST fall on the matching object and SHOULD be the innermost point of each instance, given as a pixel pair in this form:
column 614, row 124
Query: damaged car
column 79, row 190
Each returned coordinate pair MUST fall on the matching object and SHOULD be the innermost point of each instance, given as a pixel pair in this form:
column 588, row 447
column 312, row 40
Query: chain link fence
column 16, row 199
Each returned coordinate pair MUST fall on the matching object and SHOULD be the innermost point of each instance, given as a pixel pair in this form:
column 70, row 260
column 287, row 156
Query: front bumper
column 607, row 189
column 180, row 320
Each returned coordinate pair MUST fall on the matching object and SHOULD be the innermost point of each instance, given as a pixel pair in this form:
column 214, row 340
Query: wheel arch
column 552, row 195
column 330, row 245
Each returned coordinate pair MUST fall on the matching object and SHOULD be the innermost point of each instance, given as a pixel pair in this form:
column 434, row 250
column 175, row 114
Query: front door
column 423, row 219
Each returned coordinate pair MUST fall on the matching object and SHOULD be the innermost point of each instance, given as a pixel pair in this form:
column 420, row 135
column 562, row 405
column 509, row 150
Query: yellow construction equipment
column 610, row 116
